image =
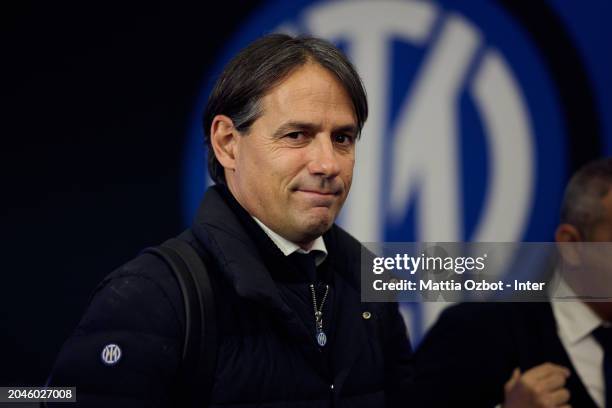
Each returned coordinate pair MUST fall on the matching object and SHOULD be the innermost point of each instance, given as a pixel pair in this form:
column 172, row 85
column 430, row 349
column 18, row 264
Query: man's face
column 294, row 167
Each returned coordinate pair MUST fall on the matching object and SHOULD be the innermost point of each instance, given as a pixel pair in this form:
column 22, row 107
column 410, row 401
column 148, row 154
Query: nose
column 323, row 157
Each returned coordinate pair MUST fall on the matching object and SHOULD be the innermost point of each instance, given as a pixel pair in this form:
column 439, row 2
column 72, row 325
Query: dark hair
column 582, row 205
column 261, row 66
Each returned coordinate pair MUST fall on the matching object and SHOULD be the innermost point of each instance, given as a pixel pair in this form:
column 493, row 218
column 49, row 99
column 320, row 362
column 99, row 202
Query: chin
column 309, row 224
column 318, row 227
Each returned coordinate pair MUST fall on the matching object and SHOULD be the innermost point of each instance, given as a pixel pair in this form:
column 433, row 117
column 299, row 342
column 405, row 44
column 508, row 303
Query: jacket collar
column 287, row 247
column 226, row 234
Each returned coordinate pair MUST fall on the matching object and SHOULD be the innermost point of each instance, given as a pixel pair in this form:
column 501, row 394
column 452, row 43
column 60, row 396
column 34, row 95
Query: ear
column 569, row 235
column 223, row 137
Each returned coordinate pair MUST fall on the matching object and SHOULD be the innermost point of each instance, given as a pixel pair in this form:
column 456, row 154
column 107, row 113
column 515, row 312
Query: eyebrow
column 293, row 126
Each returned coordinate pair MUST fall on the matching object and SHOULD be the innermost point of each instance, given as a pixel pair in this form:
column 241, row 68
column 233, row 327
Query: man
column 281, row 124
column 531, row 354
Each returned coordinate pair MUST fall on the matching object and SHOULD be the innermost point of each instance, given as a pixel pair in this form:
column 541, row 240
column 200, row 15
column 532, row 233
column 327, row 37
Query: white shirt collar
column 287, row 247
column 575, row 319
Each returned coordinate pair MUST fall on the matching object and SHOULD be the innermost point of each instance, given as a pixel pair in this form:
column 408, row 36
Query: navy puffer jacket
column 267, row 353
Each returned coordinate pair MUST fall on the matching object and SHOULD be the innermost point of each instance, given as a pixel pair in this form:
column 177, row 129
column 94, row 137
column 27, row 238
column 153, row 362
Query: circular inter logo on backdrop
column 111, row 354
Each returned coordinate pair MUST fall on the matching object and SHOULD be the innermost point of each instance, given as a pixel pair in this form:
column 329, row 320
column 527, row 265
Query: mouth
column 319, row 192
column 319, row 198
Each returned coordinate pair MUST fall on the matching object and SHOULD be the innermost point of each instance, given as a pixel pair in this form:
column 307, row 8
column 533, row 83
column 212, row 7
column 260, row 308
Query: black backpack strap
column 200, row 342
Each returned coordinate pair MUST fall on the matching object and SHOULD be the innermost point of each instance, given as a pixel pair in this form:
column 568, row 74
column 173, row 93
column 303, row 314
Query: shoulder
column 485, row 333
column 504, row 315
column 470, row 321
column 142, row 294
column 137, row 310
column 470, row 349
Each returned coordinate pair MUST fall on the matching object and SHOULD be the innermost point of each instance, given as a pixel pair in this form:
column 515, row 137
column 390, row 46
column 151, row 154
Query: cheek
column 348, row 172
column 274, row 178
column 602, row 233
column 256, row 161
column 247, row 156
column 286, row 167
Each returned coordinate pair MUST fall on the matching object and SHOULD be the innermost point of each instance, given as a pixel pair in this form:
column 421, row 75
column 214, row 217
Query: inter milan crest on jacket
column 111, row 354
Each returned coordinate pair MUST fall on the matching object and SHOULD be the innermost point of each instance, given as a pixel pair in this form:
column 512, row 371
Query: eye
column 344, row 139
column 295, row 135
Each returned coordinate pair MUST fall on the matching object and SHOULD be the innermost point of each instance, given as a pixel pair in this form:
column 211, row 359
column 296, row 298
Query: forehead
column 310, row 93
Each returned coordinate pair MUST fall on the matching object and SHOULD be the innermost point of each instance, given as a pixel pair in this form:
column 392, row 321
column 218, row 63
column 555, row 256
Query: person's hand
column 541, row 386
